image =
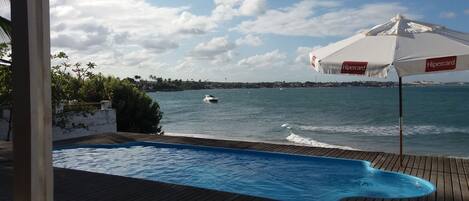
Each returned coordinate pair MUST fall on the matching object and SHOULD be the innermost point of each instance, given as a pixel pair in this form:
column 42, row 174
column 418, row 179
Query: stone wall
column 99, row 121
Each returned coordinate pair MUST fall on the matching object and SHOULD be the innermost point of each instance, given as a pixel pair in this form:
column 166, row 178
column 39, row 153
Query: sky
column 228, row 40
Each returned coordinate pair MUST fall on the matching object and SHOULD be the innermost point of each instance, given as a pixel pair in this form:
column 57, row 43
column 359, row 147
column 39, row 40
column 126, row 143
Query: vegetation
column 135, row 110
column 5, row 76
column 5, row 83
column 75, row 82
column 160, row 84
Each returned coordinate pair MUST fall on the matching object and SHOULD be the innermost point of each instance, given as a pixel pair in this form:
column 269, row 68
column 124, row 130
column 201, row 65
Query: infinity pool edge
column 363, row 163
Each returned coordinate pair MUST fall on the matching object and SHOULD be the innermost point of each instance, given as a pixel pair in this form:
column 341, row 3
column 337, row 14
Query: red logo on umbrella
column 354, row 67
column 441, row 63
column 313, row 60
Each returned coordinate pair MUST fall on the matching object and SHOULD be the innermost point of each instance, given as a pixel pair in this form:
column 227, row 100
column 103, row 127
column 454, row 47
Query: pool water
column 264, row 174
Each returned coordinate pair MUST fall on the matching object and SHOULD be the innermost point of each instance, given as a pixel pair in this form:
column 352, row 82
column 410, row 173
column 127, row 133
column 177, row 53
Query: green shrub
column 136, row 111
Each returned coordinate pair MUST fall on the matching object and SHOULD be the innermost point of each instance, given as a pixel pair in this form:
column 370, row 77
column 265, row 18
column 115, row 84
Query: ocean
column 436, row 119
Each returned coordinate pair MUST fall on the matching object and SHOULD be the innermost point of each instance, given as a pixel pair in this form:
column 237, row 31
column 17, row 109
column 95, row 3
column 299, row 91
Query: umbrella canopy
column 411, row 47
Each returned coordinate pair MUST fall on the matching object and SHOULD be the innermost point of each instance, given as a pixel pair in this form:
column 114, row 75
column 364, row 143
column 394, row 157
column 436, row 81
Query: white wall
column 101, row 121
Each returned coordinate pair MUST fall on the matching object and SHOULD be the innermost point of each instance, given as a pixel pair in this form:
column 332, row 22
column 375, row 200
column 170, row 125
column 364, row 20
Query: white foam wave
column 385, row 130
column 286, row 125
column 308, row 141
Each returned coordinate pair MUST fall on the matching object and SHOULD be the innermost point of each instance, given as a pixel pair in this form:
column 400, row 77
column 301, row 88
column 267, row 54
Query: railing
column 76, row 107
column 83, row 106
column 67, row 107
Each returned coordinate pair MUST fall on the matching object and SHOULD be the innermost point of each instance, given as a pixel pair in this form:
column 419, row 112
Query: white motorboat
column 210, row 99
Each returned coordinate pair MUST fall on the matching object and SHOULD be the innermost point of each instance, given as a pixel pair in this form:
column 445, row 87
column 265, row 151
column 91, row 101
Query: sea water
column 436, row 119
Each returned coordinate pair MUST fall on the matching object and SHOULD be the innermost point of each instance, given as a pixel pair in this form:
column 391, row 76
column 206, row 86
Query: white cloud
column 303, row 54
column 269, row 59
column 217, row 50
column 447, row 15
column 227, row 9
column 129, row 34
column 83, row 35
column 223, row 58
column 159, row 46
column 466, row 12
column 138, row 17
column 253, row 7
column 184, row 64
column 5, row 9
column 301, row 19
column 250, row 40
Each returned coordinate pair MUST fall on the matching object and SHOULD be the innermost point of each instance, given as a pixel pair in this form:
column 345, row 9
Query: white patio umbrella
column 411, row 47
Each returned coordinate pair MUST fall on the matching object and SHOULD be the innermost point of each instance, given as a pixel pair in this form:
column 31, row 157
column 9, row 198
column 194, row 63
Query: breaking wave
column 286, row 125
column 385, row 130
column 292, row 137
column 308, row 141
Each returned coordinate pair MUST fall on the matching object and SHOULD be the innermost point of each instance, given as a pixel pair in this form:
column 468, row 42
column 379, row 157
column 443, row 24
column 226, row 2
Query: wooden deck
column 73, row 185
column 449, row 175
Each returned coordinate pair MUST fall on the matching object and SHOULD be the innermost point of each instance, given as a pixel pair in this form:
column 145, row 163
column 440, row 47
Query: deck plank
column 361, row 156
column 391, row 162
column 381, row 161
column 331, row 152
column 456, row 184
column 366, row 156
column 426, row 172
column 373, row 157
column 433, row 177
column 411, row 170
column 463, row 180
column 321, row 152
column 448, row 179
column 408, row 168
column 440, row 191
column 405, row 163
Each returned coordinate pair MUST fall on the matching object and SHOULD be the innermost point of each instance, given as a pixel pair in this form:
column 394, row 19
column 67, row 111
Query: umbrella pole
column 400, row 120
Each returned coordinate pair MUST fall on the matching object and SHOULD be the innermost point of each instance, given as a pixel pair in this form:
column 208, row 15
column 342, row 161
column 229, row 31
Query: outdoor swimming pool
column 264, row 174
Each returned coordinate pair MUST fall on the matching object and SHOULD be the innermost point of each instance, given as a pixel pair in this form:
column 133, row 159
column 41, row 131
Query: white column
column 32, row 144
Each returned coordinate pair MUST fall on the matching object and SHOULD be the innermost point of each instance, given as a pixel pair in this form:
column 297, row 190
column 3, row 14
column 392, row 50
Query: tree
column 5, row 68
column 5, row 75
column 97, row 88
column 5, row 83
column 131, row 80
column 65, row 86
column 83, row 72
column 136, row 111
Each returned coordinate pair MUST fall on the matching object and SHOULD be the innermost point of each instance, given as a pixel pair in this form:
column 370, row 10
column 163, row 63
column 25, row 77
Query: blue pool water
column 264, row 174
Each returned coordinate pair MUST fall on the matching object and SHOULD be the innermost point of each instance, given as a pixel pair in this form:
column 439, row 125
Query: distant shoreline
column 192, row 85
